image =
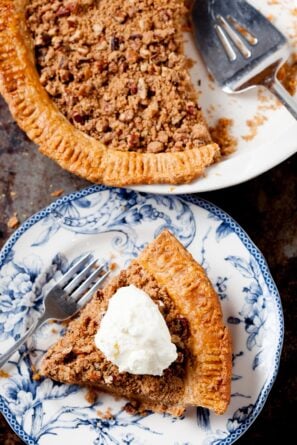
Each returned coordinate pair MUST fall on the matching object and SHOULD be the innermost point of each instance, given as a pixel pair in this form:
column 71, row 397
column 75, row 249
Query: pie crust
column 57, row 138
column 203, row 379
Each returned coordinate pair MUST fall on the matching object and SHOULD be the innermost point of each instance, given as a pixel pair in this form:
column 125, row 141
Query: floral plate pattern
column 115, row 225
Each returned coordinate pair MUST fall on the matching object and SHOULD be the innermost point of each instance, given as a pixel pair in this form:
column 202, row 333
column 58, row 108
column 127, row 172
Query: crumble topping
column 85, row 363
column 117, row 71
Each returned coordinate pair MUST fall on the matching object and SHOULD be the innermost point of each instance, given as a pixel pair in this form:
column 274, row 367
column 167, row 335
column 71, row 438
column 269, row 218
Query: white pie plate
column 276, row 138
column 116, row 224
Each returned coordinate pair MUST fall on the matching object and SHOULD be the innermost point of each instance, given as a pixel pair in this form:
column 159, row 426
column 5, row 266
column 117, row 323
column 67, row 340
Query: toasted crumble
column 117, row 71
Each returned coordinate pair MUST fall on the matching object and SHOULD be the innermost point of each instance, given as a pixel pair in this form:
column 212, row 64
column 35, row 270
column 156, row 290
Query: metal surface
column 238, row 44
column 61, row 303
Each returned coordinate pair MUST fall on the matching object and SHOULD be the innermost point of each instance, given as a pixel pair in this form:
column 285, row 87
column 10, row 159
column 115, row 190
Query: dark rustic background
column 265, row 207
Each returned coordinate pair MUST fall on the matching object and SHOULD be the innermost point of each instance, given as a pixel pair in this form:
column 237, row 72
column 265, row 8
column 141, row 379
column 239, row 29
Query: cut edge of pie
column 168, row 273
column 57, row 138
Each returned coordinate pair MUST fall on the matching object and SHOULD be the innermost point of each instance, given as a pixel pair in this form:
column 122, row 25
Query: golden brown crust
column 38, row 116
column 209, row 380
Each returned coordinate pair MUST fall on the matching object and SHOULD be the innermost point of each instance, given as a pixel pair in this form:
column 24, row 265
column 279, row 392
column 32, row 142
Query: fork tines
column 83, row 279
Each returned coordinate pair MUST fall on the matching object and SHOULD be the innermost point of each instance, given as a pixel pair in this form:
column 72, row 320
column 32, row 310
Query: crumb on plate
column 35, row 374
column 221, row 134
column 113, row 266
column 253, row 125
column 288, row 74
column 107, row 414
column 134, row 408
column 91, row 395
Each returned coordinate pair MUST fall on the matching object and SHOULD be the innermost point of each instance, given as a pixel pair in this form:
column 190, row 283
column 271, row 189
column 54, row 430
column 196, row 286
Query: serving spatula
column 240, row 47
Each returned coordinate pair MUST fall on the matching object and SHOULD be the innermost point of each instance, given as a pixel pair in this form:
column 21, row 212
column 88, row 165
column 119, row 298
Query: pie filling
column 81, row 361
column 117, row 71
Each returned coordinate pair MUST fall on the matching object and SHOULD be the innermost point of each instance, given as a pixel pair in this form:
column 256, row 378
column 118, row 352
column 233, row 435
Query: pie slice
column 201, row 374
column 103, row 88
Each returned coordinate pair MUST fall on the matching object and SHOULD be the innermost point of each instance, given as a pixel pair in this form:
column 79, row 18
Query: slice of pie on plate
column 178, row 285
column 103, row 88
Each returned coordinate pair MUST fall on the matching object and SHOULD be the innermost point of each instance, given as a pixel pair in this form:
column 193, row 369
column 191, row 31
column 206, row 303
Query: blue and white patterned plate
column 114, row 223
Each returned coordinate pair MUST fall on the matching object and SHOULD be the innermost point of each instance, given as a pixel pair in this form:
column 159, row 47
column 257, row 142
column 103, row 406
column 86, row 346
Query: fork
column 66, row 298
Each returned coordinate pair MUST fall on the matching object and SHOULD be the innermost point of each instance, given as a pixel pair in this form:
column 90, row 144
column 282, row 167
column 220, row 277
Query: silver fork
column 66, row 298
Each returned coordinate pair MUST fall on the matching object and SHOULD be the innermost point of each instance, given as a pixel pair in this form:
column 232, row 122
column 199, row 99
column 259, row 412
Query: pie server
column 240, row 47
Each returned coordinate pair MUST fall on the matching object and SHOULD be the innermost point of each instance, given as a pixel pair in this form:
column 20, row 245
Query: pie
column 103, row 88
column 201, row 374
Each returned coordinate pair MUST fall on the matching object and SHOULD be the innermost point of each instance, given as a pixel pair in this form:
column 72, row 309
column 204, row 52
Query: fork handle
column 18, row 343
column 282, row 94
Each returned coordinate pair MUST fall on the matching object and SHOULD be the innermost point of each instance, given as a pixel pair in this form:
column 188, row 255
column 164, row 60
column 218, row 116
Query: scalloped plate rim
column 247, row 242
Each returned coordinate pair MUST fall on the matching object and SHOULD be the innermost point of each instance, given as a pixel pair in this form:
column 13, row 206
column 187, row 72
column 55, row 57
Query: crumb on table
column 13, row 221
column 57, row 193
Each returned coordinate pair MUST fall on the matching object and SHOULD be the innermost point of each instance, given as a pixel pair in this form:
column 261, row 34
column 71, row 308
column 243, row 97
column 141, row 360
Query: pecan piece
column 133, row 140
column 133, row 88
column 191, row 108
column 114, row 43
column 79, row 118
column 180, row 326
column 63, row 12
column 120, row 17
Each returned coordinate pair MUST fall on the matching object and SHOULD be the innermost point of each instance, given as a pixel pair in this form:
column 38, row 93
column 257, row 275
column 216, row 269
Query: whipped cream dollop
column 134, row 335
